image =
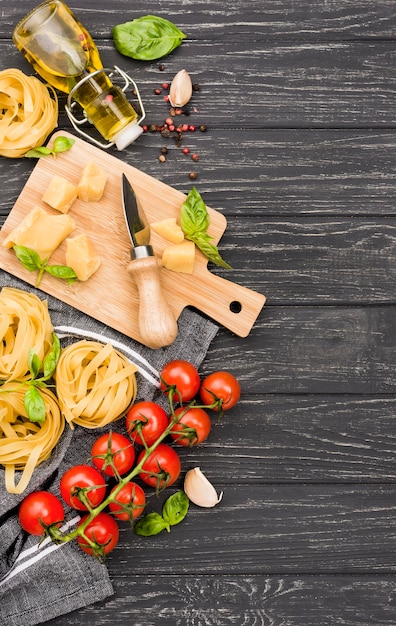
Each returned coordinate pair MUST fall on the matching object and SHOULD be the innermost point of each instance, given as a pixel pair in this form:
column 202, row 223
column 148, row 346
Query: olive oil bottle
column 62, row 51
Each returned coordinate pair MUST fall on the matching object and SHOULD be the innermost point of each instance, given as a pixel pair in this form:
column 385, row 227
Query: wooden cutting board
column 110, row 295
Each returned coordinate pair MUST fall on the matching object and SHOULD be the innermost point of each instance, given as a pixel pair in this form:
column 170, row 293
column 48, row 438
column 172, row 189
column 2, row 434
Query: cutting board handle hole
column 235, row 307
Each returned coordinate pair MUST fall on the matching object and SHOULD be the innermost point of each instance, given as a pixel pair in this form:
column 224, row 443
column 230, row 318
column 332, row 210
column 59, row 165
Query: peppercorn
column 165, row 132
column 152, row 128
column 196, row 87
column 195, row 157
column 203, row 128
column 192, row 175
column 191, row 128
column 165, row 86
column 157, row 92
column 164, row 150
column 161, row 67
column 186, row 150
column 162, row 158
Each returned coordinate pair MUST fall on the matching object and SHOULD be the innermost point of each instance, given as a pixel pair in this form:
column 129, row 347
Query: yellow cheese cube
column 92, row 183
column 41, row 232
column 168, row 229
column 60, row 194
column 81, row 256
column 180, row 257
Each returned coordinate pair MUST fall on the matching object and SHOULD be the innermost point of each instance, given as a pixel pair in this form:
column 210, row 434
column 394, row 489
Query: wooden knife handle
column 157, row 323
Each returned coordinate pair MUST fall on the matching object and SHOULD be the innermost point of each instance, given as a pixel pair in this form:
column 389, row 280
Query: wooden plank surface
column 299, row 157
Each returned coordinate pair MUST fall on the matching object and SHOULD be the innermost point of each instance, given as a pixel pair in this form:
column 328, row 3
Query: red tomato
column 183, row 377
column 103, row 530
column 161, row 468
column 129, row 502
column 192, row 428
column 39, row 510
column 145, row 422
column 113, row 450
column 82, row 477
column 220, row 390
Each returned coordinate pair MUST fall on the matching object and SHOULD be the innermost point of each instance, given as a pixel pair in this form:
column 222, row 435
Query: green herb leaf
column 175, row 508
column 29, row 258
column 62, row 271
column 147, row 38
column 194, row 221
column 151, row 524
column 34, row 363
column 37, row 153
column 194, row 217
column 62, row 144
column 51, row 359
column 211, row 252
column 34, row 404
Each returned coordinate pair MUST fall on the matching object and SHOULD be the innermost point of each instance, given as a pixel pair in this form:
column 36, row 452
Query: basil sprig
column 33, row 400
column 174, row 511
column 194, row 221
column 32, row 262
column 61, row 144
column 147, row 38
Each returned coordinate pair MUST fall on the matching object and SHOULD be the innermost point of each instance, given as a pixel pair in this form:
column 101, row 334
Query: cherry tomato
column 161, row 468
column 113, row 450
column 220, row 387
column 39, row 510
column 192, row 428
column 183, row 377
column 145, row 422
column 82, row 476
column 129, row 502
column 103, row 530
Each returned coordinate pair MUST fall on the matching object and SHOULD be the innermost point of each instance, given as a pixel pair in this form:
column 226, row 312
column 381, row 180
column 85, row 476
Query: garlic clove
column 199, row 490
column 181, row 89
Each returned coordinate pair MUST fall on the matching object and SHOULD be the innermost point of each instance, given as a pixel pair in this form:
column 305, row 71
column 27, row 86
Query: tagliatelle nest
column 25, row 444
column 95, row 384
column 28, row 113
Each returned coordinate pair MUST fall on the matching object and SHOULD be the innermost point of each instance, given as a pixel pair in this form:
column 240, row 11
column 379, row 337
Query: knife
column 157, row 324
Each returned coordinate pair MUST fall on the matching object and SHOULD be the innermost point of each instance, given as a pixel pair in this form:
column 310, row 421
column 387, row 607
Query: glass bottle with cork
column 62, row 51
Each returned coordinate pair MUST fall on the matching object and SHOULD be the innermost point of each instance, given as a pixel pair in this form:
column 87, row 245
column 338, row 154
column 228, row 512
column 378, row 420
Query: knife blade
column 157, row 323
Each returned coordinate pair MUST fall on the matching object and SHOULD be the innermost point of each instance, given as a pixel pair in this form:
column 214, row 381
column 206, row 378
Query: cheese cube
column 41, row 232
column 81, row 256
column 168, row 229
column 92, row 183
column 60, row 194
column 180, row 257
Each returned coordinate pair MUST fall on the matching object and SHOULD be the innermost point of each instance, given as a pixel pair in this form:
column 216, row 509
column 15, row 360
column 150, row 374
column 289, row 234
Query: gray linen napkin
column 38, row 583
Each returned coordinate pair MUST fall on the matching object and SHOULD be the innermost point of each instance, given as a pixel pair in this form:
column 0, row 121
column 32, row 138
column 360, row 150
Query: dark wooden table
column 299, row 101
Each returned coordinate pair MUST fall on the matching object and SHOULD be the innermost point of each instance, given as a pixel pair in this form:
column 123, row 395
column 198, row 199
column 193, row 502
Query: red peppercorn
column 157, row 92
column 166, row 98
column 186, row 150
column 195, row 157
column 165, row 86
column 192, row 175
column 145, row 128
column 169, row 121
column 185, row 127
column 191, row 128
column 179, row 111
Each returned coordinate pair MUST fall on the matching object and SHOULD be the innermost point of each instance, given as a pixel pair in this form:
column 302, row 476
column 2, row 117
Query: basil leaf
column 29, row 258
column 62, row 271
column 34, row 363
column 37, row 153
column 150, row 524
column 52, row 358
column 175, row 508
column 34, row 404
column 194, row 216
column 62, row 144
column 147, row 38
column 211, row 252
column 194, row 221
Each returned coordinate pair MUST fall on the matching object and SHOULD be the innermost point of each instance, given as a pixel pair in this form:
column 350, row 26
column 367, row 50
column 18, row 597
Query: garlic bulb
column 199, row 490
column 181, row 89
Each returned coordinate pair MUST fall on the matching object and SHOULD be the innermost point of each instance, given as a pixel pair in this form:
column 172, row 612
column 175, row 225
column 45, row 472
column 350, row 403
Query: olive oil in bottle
column 62, row 51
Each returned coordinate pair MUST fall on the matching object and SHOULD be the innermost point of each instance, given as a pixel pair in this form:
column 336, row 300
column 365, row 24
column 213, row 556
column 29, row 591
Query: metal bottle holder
column 71, row 104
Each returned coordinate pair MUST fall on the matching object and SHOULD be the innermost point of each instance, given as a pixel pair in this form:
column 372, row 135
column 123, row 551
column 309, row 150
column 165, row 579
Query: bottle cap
column 127, row 135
